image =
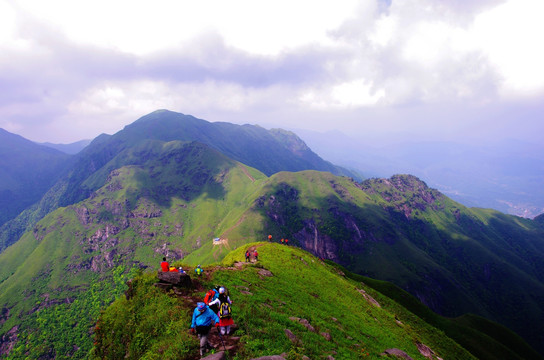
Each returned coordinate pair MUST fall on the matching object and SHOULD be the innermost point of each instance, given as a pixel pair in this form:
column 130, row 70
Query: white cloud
column 511, row 36
column 101, row 64
column 143, row 27
column 350, row 94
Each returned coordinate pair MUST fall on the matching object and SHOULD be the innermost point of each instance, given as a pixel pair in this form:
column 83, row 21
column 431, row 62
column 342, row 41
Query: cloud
column 82, row 68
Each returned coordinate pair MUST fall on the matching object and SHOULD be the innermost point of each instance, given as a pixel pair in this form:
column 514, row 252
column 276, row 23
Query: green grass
column 180, row 196
column 301, row 286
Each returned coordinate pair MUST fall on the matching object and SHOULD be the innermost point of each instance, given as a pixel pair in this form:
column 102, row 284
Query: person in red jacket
column 225, row 315
column 164, row 265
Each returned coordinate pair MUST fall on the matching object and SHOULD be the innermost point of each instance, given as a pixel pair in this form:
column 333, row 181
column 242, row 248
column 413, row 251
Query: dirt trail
column 247, row 173
column 228, row 343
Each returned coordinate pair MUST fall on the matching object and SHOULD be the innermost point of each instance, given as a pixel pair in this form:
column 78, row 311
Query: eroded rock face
column 8, row 341
column 319, row 244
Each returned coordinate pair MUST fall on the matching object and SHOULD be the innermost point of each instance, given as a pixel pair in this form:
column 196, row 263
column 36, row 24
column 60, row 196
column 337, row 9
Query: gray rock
column 174, row 279
column 326, row 335
column 397, row 352
column 291, row 336
column 217, row 356
column 265, row 272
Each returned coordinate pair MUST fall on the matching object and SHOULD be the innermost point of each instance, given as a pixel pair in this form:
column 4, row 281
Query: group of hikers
column 213, row 311
column 166, row 267
column 283, row 241
column 255, row 255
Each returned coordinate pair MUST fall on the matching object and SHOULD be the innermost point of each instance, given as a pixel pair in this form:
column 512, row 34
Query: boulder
column 167, row 280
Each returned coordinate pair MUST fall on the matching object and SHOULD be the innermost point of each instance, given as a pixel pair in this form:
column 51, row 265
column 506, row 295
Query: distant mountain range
column 72, row 148
column 169, row 183
column 27, row 171
column 505, row 176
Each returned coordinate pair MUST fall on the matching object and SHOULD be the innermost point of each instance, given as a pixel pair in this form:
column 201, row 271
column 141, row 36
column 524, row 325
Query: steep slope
column 172, row 198
column 268, row 151
column 74, row 260
column 289, row 302
column 454, row 259
column 27, row 171
column 251, row 145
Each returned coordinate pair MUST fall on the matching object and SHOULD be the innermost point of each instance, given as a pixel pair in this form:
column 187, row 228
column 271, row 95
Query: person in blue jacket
column 203, row 320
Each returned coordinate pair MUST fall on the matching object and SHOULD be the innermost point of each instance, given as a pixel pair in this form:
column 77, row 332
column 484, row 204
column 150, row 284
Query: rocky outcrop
column 8, row 341
column 397, row 353
column 369, row 298
column 304, row 323
column 173, row 280
column 427, row 352
column 314, row 241
column 405, row 193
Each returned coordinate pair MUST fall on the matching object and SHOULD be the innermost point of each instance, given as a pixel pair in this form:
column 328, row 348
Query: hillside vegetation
column 27, row 172
column 182, row 195
column 347, row 319
column 454, row 259
column 150, row 191
column 269, row 151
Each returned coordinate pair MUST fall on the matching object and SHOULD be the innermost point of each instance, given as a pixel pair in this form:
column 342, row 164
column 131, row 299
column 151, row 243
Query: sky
column 449, row 70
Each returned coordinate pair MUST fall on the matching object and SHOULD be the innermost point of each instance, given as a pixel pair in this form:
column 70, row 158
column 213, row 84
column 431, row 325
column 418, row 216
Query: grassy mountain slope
column 506, row 175
column 287, row 283
column 174, row 197
column 454, row 259
column 167, row 206
column 252, row 145
column 27, row 171
column 266, row 150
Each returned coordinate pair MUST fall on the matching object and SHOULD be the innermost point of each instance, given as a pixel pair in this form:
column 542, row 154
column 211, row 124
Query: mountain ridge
column 290, row 294
column 27, row 171
column 133, row 198
column 252, row 145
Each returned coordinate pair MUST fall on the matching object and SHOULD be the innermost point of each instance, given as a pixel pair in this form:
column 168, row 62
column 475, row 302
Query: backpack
column 210, row 295
column 224, row 310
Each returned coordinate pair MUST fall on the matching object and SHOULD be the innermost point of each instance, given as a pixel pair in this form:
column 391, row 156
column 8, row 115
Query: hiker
column 247, row 255
column 225, row 315
column 269, row 237
column 282, row 241
column 256, row 255
column 210, row 296
column 173, row 269
column 286, row 242
column 164, row 265
column 203, row 320
column 198, row 270
column 180, row 270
